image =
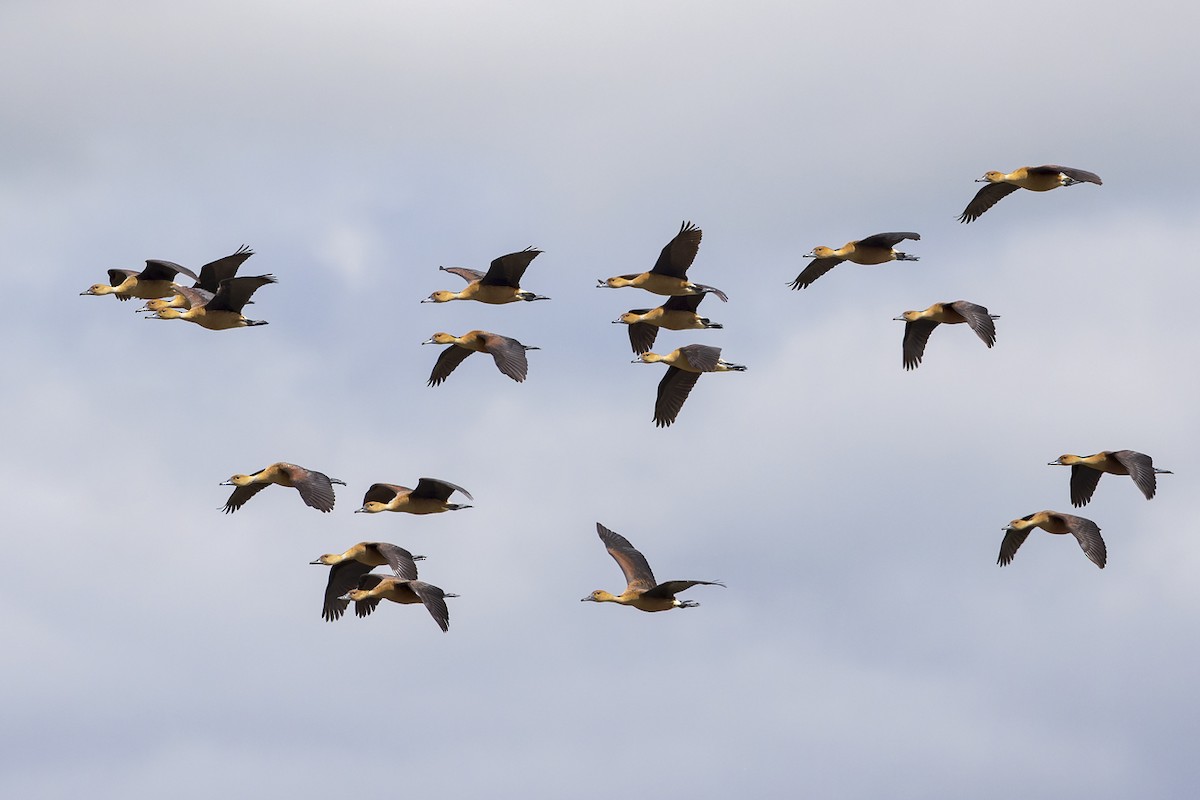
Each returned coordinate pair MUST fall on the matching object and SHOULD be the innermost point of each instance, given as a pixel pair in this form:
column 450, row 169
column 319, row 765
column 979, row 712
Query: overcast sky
column 867, row 644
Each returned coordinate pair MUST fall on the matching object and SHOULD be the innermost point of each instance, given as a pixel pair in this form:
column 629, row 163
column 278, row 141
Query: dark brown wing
column 916, row 335
column 815, row 269
column 435, row 602
column 158, row 270
column 401, row 561
column 117, row 276
column 438, row 489
column 509, row 355
column 316, row 489
column 673, row 390
column 1141, row 469
column 212, row 273
column 679, row 253
column 342, row 578
column 985, row 198
column 447, row 362
column 1087, row 533
column 642, row 336
column 672, row 588
column 383, row 493
column 1083, row 484
column 363, row 608
column 633, row 564
column 241, row 494
column 233, row 293
column 466, row 273
column 888, row 239
column 683, row 302
column 507, row 270
column 1074, row 174
column 1013, row 539
column 978, row 319
column 703, row 357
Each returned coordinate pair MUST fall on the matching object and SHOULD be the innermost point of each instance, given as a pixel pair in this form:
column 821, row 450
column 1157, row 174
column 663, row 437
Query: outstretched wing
column 633, row 564
column 815, row 269
column 159, row 270
column 1141, row 469
column 447, row 362
column 465, row 273
column 382, row 493
column 916, row 336
column 435, row 603
column 1087, row 533
column 509, row 355
column 1083, row 484
column 888, row 239
column 508, row 269
column 401, row 561
column 978, row 319
column 233, row 293
column 672, row 588
column 212, row 273
column 679, row 253
column 240, row 495
column 342, row 578
column 438, row 489
column 1081, row 175
column 673, row 390
column 1013, row 539
column 985, row 198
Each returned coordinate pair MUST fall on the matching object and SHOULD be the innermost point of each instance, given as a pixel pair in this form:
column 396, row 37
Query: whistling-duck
column 345, row 570
column 642, row 592
column 920, row 325
column 211, row 275
column 223, row 310
column 500, row 284
column 430, row 497
column 1036, row 179
column 876, row 249
column 374, row 587
column 669, row 274
column 677, row 314
column 316, row 489
column 508, row 353
column 686, row 363
column 156, row 280
column 1086, row 471
column 1086, row 532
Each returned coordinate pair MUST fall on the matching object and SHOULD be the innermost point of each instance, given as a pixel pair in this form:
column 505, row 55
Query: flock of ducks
column 218, row 296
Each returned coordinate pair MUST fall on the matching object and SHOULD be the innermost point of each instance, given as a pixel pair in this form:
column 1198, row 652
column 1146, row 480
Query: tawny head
column 373, row 507
column 98, row 288
column 167, row 313
column 1065, row 460
column 598, row 596
column 614, row 283
column 328, row 559
column 992, row 176
column 628, row 318
column 239, row 480
column 441, row 338
column 357, row 594
column 821, row 252
column 909, row 316
column 158, row 304
column 442, row 296
column 647, row 358
column 1022, row 524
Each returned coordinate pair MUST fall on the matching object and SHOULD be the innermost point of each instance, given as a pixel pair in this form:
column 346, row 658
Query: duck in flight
column 500, row 284
column 1086, row 472
column 1086, row 532
column 1035, row 179
column 430, row 497
column 643, row 592
column 315, row 488
column 685, row 367
column 347, row 568
column 668, row 276
column 677, row 314
column 920, row 324
column 879, row 248
column 508, row 353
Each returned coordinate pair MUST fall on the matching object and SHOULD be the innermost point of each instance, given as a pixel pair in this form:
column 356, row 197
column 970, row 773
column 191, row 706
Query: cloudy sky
column 867, row 644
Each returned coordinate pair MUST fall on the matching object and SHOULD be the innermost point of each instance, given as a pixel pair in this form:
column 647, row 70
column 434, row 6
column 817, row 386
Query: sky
column 867, row 644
